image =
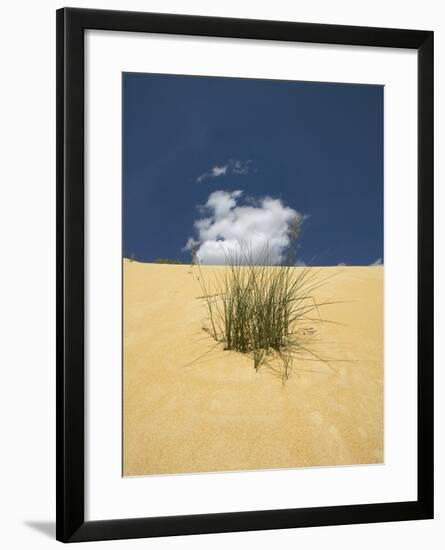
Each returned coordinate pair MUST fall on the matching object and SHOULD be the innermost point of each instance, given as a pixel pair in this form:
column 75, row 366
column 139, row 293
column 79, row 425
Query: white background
column 27, row 275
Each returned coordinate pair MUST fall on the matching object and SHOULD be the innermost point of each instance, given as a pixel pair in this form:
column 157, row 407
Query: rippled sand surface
column 190, row 406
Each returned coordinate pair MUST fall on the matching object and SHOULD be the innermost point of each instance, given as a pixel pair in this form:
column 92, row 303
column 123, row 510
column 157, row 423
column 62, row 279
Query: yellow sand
column 218, row 413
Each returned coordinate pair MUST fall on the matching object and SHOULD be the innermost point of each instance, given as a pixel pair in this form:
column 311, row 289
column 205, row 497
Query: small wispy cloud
column 379, row 261
column 341, row 264
column 232, row 166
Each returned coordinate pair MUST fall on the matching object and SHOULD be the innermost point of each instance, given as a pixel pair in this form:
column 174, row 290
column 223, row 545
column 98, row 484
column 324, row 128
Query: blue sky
column 207, row 161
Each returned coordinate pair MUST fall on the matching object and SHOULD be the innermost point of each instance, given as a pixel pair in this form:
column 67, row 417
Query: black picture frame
column 71, row 524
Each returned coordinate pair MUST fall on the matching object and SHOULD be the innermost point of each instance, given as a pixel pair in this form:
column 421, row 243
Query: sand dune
column 217, row 413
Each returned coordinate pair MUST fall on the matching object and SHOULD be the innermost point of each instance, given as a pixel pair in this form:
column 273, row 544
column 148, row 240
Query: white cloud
column 231, row 225
column 232, row 166
column 341, row 264
column 379, row 261
column 219, row 171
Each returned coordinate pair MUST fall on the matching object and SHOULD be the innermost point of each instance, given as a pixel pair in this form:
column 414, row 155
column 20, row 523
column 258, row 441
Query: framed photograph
column 245, row 275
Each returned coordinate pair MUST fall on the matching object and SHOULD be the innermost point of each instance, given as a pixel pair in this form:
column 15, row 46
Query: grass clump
column 263, row 311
